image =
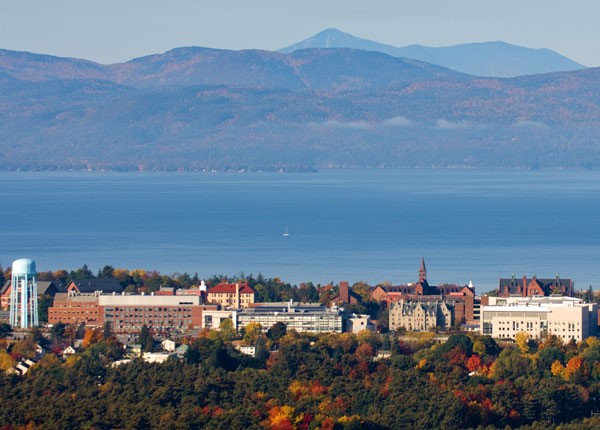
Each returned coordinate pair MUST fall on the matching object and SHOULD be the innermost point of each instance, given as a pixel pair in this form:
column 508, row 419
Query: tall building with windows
column 565, row 317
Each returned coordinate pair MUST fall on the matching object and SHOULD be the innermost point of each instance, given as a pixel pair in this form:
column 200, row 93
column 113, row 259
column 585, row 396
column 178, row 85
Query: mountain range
column 491, row 59
column 201, row 108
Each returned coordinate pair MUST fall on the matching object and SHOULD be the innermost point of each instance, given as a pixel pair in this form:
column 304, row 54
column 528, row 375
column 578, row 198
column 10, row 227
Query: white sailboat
column 286, row 233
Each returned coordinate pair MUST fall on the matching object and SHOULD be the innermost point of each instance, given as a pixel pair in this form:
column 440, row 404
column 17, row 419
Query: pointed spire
column 422, row 271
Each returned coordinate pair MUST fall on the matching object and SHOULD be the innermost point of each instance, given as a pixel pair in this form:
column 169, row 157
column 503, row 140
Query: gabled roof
column 46, row 286
column 91, row 285
column 515, row 285
column 42, row 286
column 230, row 288
column 5, row 286
column 428, row 290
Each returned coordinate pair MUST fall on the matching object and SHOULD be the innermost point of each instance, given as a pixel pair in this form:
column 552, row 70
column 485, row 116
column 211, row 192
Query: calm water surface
column 371, row 225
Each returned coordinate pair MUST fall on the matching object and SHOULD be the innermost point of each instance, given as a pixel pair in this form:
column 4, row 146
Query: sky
column 111, row 31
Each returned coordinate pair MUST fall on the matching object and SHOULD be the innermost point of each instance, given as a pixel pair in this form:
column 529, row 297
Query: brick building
column 459, row 299
column 94, row 286
column 74, row 309
column 535, row 287
column 128, row 313
column 390, row 294
column 49, row 288
column 346, row 295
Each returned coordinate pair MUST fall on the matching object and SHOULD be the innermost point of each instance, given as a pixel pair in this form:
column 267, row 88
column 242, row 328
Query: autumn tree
column 251, row 332
column 277, row 331
column 522, row 341
column 575, row 370
column 6, row 361
column 227, row 330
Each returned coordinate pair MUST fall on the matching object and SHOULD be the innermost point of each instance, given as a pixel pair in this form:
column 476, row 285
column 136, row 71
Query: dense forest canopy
column 307, row 382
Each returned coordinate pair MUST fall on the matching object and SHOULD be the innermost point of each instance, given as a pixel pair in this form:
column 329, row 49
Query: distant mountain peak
column 335, row 38
column 493, row 59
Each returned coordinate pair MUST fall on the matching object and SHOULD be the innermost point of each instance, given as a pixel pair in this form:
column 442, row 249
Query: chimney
column 237, row 296
column 344, row 292
column 524, row 286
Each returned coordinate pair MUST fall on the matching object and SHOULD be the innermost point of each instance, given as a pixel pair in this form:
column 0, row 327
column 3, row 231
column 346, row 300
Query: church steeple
column 422, row 271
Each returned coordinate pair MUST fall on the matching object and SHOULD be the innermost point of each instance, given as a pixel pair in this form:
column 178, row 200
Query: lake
column 371, row 225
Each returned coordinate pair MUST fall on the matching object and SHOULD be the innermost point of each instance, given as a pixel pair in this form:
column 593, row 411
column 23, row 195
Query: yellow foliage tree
column 367, row 336
column 227, row 330
column 70, row 362
column 296, row 389
column 522, row 340
column 25, row 347
column 479, row 348
column 6, row 361
column 557, row 368
column 421, row 364
column 49, row 360
column 252, row 332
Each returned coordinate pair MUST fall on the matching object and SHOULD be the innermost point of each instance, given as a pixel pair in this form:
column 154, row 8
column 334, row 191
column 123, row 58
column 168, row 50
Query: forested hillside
column 199, row 108
column 310, row 382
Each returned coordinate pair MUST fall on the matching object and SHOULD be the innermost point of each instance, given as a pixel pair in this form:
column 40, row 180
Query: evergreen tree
column 146, row 339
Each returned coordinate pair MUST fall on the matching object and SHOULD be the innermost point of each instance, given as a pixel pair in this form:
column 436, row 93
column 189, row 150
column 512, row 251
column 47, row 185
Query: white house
column 168, row 345
column 69, row 350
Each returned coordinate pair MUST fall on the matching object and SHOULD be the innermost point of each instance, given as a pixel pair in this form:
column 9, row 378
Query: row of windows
column 150, row 315
column 95, row 312
column 147, row 309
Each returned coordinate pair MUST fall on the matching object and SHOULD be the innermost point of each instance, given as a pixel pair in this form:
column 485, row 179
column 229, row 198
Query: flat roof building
column 302, row 317
column 565, row 317
column 128, row 313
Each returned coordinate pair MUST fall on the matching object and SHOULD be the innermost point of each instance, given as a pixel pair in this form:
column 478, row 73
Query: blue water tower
column 23, row 294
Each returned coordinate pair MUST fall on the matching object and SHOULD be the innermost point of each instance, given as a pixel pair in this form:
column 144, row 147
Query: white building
column 566, row 317
column 302, row 317
column 155, row 357
column 212, row 318
column 248, row 350
column 168, row 345
column 358, row 323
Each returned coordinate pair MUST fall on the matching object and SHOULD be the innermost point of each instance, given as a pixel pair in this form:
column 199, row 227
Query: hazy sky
column 111, row 31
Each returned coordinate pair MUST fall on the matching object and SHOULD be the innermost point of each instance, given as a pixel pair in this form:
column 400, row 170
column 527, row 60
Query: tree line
column 302, row 381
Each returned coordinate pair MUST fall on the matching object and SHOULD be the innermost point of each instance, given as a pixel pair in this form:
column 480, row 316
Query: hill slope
column 201, row 109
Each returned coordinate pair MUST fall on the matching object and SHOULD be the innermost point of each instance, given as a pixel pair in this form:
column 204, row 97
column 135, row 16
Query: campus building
column 128, row 313
column 421, row 314
column 302, row 317
column 534, row 287
column 160, row 313
column 422, row 301
column 239, row 295
column 565, row 317
column 75, row 309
